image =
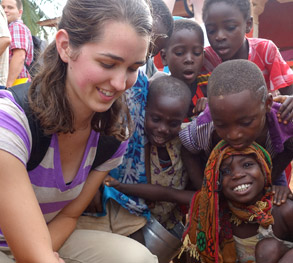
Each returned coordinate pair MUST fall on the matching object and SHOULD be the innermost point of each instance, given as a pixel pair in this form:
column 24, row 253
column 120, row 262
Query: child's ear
column 62, row 45
column 269, row 102
column 249, row 22
column 163, row 56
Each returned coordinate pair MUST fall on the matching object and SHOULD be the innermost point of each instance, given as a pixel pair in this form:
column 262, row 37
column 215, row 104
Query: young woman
column 76, row 97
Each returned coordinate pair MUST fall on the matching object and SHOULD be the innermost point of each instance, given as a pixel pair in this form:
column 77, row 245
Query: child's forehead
column 236, row 158
column 186, row 33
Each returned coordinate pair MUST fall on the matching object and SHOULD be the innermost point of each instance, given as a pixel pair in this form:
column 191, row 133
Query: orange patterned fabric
column 209, row 234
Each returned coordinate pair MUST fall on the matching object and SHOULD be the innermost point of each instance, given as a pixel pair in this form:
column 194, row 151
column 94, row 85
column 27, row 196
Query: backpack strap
column 107, row 145
column 41, row 142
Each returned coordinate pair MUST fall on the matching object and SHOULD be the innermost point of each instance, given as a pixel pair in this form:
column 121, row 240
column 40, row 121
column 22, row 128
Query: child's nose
column 237, row 174
column 234, row 135
column 188, row 59
column 163, row 129
column 220, row 35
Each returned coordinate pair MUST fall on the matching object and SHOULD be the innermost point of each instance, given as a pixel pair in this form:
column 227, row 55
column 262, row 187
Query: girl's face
column 226, row 28
column 163, row 119
column 242, row 179
column 101, row 71
column 184, row 55
column 239, row 118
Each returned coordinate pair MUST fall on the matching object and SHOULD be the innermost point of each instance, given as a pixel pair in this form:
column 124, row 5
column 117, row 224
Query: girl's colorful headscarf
column 209, row 233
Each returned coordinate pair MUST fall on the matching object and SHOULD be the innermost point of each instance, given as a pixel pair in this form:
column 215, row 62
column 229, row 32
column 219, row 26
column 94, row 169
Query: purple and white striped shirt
column 47, row 180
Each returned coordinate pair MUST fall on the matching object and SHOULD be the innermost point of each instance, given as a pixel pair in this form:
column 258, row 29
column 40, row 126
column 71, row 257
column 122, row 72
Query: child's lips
column 223, row 51
column 188, row 74
column 159, row 140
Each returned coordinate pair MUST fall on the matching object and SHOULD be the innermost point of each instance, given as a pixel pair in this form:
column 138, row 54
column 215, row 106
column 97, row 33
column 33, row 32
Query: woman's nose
column 118, row 81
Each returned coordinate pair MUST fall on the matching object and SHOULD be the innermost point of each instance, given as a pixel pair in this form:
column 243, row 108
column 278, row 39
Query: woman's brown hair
column 84, row 22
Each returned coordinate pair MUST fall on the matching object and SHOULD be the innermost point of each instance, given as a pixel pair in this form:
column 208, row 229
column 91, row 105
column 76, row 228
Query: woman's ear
column 269, row 102
column 163, row 56
column 62, row 45
column 249, row 22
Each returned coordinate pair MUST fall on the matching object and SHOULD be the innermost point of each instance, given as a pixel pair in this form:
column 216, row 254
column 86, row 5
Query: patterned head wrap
column 209, row 234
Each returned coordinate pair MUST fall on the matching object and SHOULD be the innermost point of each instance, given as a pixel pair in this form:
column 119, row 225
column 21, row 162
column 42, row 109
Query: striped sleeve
column 15, row 135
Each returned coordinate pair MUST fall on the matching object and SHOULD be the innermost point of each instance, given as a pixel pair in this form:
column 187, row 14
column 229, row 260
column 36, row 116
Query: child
column 240, row 111
column 234, row 211
column 76, row 98
column 162, row 31
column 184, row 56
column 167, row 106
column 226, row 23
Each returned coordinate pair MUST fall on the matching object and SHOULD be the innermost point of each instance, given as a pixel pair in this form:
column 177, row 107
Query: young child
column 240, row 111
column 234, row 211
column 226, row 23
column 184, row 55
column 167, row 105
column 162, row 31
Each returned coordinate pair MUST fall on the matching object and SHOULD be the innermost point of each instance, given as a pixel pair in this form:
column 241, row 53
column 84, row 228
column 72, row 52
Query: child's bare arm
column 194, row 168
column 152, row 192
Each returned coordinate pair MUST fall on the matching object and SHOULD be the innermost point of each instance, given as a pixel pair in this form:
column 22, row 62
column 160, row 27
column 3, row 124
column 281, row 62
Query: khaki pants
column 117, row 220
column 94, row 240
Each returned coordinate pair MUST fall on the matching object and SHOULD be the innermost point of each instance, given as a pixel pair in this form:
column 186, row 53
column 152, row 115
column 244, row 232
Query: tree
column 32, row 13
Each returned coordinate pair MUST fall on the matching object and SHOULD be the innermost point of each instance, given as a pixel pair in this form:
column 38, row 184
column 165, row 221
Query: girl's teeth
column 241, row 187
column 107, row 93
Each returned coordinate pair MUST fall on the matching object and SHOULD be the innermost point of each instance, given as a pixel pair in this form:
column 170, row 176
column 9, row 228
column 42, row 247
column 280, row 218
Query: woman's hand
column 60, row 260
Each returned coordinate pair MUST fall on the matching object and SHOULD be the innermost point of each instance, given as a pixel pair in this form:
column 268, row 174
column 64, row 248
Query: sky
column 52, row 10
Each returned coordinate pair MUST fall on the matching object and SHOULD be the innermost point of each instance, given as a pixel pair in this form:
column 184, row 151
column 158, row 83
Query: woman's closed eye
column 107, row 65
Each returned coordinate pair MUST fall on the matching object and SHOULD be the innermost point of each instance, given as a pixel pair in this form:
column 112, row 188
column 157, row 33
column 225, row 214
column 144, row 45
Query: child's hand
column 285, row 113
column 281, row 193
column 200, row 106
column 111, row 182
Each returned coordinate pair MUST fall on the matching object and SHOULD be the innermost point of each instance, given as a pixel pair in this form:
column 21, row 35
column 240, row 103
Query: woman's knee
column 92, row 246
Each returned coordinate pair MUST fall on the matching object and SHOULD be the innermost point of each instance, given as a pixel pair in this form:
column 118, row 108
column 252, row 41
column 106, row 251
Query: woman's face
column 101, row 71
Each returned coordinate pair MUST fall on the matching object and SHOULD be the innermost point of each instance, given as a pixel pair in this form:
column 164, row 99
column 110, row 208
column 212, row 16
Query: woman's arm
column 152, row 192
column 64, row 223
column 21, row 219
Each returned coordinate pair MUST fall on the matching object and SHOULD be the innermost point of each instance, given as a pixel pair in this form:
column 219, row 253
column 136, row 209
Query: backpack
column 107, row 145
column 39, row 46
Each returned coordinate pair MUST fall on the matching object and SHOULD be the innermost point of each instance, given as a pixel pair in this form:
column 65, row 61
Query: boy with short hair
column 240, row 111
column 184, row 55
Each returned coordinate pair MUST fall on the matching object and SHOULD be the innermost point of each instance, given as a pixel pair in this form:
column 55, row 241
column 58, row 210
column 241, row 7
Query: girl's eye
column 210, row 31
column 231, row 28
column 197, row 54
column 246, row 123
column 226, row 171
column 248, row 164
column 175, row 124
column 106, row 65
column 155, row 119
column 178, row 54
column 133, row 69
